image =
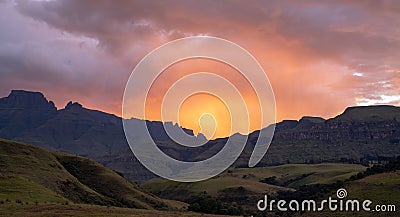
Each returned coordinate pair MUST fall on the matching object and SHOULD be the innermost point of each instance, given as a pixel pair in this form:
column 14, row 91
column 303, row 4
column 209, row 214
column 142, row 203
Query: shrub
column 270, row 180
column 207, row 204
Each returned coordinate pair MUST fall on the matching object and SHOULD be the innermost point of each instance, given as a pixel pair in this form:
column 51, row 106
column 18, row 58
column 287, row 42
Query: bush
column 207, row 204
column 270, row 180
column 315, row 191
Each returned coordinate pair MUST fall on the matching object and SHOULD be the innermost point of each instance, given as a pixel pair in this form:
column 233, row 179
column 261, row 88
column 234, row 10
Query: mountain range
column 358, row 135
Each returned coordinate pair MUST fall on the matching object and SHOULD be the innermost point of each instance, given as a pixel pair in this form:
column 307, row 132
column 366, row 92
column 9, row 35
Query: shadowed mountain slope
column 359, row 135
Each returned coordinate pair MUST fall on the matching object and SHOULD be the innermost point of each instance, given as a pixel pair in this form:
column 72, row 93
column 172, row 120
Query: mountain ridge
column 358, row 135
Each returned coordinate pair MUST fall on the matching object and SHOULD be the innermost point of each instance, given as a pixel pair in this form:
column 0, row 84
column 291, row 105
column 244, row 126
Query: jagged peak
column 27, row 99
column 72, row 105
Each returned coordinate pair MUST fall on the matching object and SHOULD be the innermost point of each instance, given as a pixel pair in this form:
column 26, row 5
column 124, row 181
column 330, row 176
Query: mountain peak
column 312, row 119
column 16, row 93
column 370, row 107
column 27, row 99
column 307, row 122
column 370, row 113
column 73, row 105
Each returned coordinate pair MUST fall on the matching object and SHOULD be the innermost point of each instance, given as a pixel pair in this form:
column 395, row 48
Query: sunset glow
column 317, row 64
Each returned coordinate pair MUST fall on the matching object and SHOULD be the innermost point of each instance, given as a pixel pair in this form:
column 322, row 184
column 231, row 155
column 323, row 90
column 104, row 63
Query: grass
column 316, row 173
column 52, row 210
column 33, row 175
column 35, row 182
column 30, row 173
column 242, row 186
column 382, row 188
column 249, row 178
column 106, row 182
column 19, row 188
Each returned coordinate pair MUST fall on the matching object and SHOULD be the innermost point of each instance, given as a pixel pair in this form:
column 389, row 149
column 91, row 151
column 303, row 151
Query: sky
column 320, row 56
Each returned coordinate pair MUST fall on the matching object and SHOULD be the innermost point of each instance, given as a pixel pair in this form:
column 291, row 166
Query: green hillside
column 31, row 175
column 292, row 175
column 84, row 210
column 381, row 189
column 243, row 186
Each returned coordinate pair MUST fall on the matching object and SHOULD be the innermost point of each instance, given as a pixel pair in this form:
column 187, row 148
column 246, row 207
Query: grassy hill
column 251, row 178
column 243, row 186
column 379, row 184
column 293, row 174
column 35, row 182
column 31, row 175
column 52, row 210
column 381, row 189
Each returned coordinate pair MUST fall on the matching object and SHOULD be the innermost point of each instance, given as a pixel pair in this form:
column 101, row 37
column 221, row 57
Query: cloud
column 35, row 56
column 311, row 50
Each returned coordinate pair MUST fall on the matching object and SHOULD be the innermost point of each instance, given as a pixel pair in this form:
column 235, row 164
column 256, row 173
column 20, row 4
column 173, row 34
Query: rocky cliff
column 358, row 135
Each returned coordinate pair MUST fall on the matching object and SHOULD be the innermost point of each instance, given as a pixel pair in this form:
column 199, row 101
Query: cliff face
column 29, row 117
column 338, row 131
column 358, row 135
column 23, row 110
column 21, row 99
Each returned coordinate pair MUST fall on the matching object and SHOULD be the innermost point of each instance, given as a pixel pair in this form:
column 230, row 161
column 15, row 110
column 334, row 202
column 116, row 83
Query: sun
column 206, row 114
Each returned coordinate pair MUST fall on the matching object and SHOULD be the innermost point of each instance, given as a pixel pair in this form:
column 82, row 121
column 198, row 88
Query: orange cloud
column 320, row 57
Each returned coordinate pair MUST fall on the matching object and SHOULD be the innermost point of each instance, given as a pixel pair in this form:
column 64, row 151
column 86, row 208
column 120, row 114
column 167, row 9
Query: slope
column 33, row 175
column 244, row 186
column 359, row 135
